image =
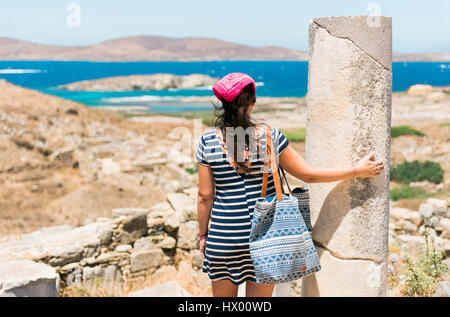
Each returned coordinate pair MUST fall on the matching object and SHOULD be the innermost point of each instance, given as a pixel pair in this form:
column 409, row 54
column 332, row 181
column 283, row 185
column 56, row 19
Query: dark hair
column 235, row 114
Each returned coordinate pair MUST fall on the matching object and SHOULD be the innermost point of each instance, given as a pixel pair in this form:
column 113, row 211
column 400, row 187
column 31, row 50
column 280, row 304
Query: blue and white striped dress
column 227, row 254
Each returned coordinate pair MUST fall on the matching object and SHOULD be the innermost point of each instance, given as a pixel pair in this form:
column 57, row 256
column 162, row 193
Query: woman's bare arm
column 205, row 197
column 296, row 165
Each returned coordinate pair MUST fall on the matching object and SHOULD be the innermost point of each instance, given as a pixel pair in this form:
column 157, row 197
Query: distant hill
column 147, row 48
column 159, row 48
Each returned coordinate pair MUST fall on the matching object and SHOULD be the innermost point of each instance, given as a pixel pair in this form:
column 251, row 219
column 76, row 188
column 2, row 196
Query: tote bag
column 302, row 195
column 281, row 247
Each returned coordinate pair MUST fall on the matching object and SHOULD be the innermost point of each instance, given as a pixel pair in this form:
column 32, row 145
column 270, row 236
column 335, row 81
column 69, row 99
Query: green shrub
column 208, row 118
column 295, row 135
column 416, row 171
column 404, row 130
column 192, row 170
column 444, row 125
column 422, row 275
column 407, row 192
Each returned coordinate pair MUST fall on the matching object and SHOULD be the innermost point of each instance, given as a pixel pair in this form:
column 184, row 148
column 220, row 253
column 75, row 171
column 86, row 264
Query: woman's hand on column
column 368, row 168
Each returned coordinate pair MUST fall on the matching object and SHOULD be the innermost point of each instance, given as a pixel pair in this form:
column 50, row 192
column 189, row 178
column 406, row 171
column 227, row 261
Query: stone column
column 348, row 116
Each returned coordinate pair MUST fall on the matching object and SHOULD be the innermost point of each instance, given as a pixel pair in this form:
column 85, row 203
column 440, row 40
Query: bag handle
column 273, row 165
column 285, row 179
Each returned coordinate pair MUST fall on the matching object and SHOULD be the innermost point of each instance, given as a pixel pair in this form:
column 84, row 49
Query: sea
column 273, row 78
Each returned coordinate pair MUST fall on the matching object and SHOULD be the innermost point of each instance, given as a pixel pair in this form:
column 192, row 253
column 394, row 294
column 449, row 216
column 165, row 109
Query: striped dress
column 227, row 253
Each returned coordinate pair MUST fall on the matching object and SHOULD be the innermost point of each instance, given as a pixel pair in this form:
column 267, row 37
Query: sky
column 418, row 25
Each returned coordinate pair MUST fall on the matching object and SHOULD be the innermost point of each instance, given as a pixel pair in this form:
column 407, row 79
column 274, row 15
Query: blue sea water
column 274, row 79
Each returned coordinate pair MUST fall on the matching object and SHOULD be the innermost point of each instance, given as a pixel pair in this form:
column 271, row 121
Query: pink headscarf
column 231, row 86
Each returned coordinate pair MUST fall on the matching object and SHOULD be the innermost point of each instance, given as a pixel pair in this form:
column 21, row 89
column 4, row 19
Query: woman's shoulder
column 273, row 130
column 209, row 134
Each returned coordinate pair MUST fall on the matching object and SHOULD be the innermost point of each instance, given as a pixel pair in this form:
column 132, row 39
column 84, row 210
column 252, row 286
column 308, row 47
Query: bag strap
column 285, row 179
column 218, row 132
column 273, row 165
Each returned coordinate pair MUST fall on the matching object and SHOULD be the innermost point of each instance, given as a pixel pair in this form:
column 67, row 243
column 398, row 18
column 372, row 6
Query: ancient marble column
column 348, row 116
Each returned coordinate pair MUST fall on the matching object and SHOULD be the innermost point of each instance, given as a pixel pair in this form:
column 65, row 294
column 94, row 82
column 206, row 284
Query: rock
column 105, row 258
column 163, row 206
column 439, row 206
column 296, row 288
column 112, row 274
column 193, row 191
column 196, row 259
column 163, row 274
column 442, row 289
column 187, row 235
column 66, row 255
column 420, row 89
column 444, row 225
column 27, row 278
column 406, row 214
column 437, row 96
column 144, row 243
column 204, row 283
column 133, row 227
column 409, row 226
column 413, row 243
column 172, row 223
column 72, row 112
column 74, row 273
column 184, row 205
column 142, row 82
column 102, row 275
column 426, row 210
column 282, row 290
column 181, row 255
column 123, row 248
column 59, row 246
column 167, row 243
column 156, row 220
column 425, row 185
column 362, row 278
column 91, row 274
column 190, row 212
column 109, row 167
column 447, row 261
column 444, row 246
column 129, row 212
column 104, row 234
column 432, row 222
column 63, row 157
column 169, row 289
column 146, row 259
column 187, row 276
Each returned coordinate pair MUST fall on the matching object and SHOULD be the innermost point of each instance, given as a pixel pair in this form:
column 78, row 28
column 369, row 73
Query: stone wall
column 126, row 248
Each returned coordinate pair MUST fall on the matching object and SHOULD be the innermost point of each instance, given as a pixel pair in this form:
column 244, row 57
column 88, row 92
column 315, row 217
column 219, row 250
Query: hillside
column 63, row 162
column 159, row 48
column 148, row 48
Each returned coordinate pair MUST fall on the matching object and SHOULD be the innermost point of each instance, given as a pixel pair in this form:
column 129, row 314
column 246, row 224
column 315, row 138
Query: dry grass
column 182, row 274
column 93, row 289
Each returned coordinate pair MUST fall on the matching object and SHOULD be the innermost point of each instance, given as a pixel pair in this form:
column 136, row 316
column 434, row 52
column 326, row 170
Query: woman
column 230, row 181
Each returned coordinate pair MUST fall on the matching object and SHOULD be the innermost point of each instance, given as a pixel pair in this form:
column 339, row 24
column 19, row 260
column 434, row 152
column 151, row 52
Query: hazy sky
column 418, row 25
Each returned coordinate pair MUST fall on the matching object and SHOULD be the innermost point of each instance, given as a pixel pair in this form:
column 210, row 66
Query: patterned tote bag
column 302, row 195
column 281, row 247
